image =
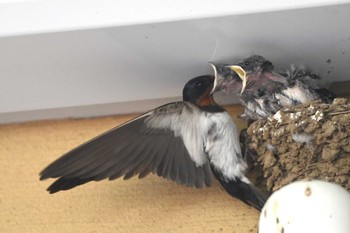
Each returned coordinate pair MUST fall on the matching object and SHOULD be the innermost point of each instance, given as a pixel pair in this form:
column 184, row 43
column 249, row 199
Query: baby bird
column 266, row 90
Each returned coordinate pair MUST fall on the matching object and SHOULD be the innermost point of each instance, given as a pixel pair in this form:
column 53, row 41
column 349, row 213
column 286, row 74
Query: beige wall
column 152, row 204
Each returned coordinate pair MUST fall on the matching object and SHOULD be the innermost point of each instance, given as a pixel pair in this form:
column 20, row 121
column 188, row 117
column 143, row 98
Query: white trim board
column 23, row 17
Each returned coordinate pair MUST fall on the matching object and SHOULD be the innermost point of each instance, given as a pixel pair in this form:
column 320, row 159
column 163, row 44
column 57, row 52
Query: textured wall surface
column 151, row 204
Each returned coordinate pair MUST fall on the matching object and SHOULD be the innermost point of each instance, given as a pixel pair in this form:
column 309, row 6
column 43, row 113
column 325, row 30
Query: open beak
column 216, row 77
column 242, row 74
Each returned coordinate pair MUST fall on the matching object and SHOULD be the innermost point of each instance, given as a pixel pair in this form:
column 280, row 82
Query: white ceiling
column 65, row 71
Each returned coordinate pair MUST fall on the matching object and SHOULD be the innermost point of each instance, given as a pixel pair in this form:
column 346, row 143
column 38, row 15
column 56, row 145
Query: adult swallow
column 268, row 91
column 187, row 142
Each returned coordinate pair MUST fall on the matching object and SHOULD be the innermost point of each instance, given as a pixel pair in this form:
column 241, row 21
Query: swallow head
column 199, row 90
column 229, row 78
column 256, row 63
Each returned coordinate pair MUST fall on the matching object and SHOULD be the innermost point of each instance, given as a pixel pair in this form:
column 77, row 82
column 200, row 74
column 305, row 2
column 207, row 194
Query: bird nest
column 305, row 141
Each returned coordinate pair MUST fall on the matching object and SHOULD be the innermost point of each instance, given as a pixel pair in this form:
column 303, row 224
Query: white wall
column 69, row 69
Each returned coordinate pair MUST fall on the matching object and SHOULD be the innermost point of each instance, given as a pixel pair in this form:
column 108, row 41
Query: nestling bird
column 186, row 142
column 268, row 91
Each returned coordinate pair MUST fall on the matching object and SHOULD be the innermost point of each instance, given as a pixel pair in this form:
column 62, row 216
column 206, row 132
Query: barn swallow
column 187, row 142
column 268, row 91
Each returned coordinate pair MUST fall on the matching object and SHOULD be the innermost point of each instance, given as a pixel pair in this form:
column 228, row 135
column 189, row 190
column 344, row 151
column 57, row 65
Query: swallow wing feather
column 167, row 141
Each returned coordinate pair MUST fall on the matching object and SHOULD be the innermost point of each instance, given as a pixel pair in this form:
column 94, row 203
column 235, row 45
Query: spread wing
column 167, row 141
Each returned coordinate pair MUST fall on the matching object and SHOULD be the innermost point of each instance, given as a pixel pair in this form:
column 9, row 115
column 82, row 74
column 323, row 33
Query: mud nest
column 305, row 141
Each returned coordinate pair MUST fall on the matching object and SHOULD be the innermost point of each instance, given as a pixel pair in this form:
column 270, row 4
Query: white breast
column 223, row 147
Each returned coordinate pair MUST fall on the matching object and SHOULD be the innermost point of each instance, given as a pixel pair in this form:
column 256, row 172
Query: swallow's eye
column 247, row 63
column 199, row 84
